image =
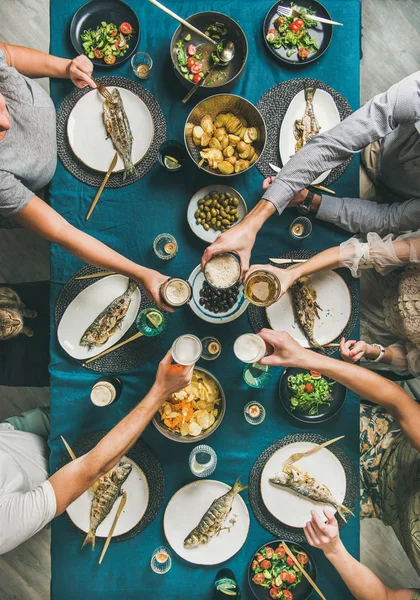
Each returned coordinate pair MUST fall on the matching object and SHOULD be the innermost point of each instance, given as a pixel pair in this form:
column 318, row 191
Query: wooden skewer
column 183, row 21
column 69, row 450
column 94, row 275
column 332, row 345
column 130, row 339
column 308, row 577
column 111, row 531
column 324, row 189
column 103, row 184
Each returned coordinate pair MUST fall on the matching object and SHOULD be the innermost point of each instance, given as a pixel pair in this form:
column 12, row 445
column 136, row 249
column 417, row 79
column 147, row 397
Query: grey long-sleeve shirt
column 393, row 116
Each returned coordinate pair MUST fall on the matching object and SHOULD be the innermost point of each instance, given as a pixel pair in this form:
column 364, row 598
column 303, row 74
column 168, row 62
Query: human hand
column 151, row 281
column 352, row 351
column 324, row 536
column 267, row 182
column 287, row 351
column 285, row 276
column 240, row 239
column 171, row 378
column 79, row 71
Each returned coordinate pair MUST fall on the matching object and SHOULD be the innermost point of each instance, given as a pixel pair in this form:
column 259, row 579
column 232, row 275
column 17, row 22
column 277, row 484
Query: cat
column 12, row 311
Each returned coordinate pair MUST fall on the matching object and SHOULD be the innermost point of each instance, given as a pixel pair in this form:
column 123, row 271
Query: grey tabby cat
column 12, row 311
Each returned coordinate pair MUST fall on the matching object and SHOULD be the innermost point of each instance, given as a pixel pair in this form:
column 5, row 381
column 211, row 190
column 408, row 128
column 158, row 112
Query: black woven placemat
column 95, row 178
column 273, row 106
column 258, row 317
column 145, row 459
column 265, row 518
column 123, row 359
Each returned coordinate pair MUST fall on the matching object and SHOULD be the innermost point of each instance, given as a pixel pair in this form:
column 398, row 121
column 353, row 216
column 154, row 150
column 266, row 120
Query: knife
column 287, row 261
column 318, row 187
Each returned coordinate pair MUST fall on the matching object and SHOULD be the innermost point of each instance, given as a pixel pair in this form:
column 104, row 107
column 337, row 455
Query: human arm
column 77, row 476
column 359, row 579
column 46, row 222
column 365, row 383
column 34, row 63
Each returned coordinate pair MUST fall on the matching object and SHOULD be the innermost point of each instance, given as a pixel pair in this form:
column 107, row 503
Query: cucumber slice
column 190, row 76
column 104, row 23
column 91, row 55
column 187, row 38
column 101, row 44
column 183, row 69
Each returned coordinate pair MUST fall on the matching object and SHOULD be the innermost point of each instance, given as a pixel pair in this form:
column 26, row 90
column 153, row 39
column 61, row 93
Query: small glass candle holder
column 165, row 246
column 142, row 64
column 211, row 348
column 172, row 156
column 161, row 560
column 151, row 322
column 254, row 413
column 257, row 376
column 300, row 228
column 202, row 461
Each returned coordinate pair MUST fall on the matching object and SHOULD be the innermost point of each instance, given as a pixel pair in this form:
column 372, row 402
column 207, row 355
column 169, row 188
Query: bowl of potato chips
column 194, row 412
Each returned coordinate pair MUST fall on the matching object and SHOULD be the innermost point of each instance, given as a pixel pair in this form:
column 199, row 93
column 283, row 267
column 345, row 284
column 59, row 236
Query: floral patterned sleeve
column 416, row 595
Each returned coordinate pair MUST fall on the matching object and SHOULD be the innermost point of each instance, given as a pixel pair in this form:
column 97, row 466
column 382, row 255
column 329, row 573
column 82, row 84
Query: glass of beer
column 262, row 288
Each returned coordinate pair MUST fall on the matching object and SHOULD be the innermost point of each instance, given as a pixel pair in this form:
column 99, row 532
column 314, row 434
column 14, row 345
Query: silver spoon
column 225, row 56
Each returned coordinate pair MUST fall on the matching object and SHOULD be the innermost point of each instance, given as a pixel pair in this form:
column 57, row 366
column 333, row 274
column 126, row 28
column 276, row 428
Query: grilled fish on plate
column 307, row 127
column 306, row 308
column 118, row 128
column 106, row 492
column 108, row 321
column 303, row 484
column 212, row 521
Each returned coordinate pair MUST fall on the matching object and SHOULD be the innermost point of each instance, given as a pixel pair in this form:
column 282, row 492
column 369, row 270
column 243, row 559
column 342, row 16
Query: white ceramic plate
column 333, row 296
column 184, row 511
column 211, row 235
column 87, row 134
column 84, row 309
column 326, row 113
column 287, row 506
column 196, row 280
column 137, row 490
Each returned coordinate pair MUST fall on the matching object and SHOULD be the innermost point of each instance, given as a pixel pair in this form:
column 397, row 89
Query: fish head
column 280, row 478
column 121, row 473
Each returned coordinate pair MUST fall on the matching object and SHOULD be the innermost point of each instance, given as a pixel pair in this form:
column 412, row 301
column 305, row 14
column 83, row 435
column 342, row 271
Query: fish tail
column 343, row 511
column 128, row 168
column 309, row 94
column 238, row 487
column 90, row 539
column 131, row 286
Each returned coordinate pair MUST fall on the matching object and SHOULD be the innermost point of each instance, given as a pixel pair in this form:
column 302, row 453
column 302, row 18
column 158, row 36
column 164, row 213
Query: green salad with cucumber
column 292, row 33
column 309, row 391
column 107, row 41
column 274, row 570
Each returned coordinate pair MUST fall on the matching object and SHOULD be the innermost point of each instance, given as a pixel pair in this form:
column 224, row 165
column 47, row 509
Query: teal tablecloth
column 128, row 220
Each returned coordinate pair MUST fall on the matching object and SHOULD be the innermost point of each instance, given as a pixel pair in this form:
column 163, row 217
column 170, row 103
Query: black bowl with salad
column 192, row 56
column 297, row 40
column 107, row 32
column 273, row 575
column 310, row 397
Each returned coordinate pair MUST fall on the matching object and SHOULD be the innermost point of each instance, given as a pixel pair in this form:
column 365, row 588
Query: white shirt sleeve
column 22, row 515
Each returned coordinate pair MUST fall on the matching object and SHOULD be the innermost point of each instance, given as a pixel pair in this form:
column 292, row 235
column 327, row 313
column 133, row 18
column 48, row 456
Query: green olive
column 206, row 226
column 223, row 229
column 235, row 202
column 207, row 202
column 235, row 217
column 228, row 195
column 202, row 214
column 198, row 221
column 197, row 214
column 232, row 218
column 213, row 212
column 218, row 223
column 222, row 197
column 225, row 202
column 227, row 227
column 225, row 222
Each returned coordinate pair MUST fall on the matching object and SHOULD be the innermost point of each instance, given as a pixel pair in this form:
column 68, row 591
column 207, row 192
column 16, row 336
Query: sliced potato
column 224, row 142
column 228, row 151
column 231, row 159
column 198, row 131
column 233, row 124
column 225, row 167
column 241, row 165
column 219, row 133
column 205, row 138
column 189, row 128
column 207, row 124
column 214, row 143
column 254, row 158
column 233, row 139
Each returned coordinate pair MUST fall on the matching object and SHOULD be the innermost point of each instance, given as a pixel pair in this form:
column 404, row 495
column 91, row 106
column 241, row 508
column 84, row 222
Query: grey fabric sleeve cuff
column 279, row 194
column 330, row 208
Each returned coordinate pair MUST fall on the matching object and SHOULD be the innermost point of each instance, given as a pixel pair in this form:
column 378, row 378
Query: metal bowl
column 223, row 103
column 235, row 69
column 189, row 439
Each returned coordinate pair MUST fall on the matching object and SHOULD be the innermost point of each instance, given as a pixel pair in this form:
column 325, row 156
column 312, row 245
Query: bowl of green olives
column 214, row 209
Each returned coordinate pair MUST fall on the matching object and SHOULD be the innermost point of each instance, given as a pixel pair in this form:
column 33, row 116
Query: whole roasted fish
column 306, row 308
column 303, row 484
column 308, row 126
column 212, row 520
column 108, row 321
column 118, row 129
column 107, row 490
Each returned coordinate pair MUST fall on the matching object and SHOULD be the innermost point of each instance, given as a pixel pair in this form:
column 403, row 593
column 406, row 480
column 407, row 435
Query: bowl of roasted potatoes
column 225, row 135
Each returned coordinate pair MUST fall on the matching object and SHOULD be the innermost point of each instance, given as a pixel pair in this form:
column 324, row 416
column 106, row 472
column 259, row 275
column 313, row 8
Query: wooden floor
column 25, row 572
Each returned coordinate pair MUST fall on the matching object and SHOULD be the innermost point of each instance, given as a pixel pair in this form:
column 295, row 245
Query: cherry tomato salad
column 189, row 60
column 274, row 570
column 106, row 41
column 292, row 33
column 309, row 391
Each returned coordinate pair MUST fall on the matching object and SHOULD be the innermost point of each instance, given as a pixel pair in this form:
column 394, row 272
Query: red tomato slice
column 315, row 374
column 303, row 52
column 196, row 68
column 294, row 27
column 291, row 578
column 191, row 62
column 126, row 28
column 273, row 593
column 191, row 50
column 98, row 53
column 258, row 578
column 110, row 59
column 303, row 558
column 260, row 557
column 254, row 565
column 287, row 595
column 290, row 562
column 280, row 551
column 309, row 388
column 269, row 551
column 265, row 564
column 300, row 22
column 197, row 78
column 114, row 33
column 283, row 575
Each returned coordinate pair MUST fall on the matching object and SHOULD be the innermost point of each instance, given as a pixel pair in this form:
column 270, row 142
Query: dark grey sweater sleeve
column 363, row 216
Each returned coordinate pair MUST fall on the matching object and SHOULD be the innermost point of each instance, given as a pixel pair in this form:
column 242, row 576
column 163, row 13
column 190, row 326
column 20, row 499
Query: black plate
column 301, row 591
column 90, row 15
column 326, row 411
column 235, row 33
column 322, row 33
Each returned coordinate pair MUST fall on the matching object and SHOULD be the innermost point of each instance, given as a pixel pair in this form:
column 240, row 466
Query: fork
column 291, row 12
column 102, row 90
column 298, row 455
